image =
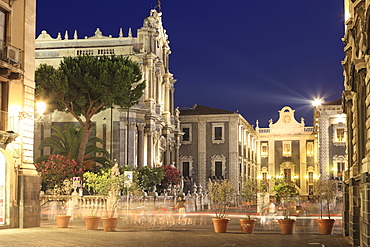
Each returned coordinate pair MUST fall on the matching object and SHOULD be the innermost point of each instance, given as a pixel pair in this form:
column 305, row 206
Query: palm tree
column 66, row 141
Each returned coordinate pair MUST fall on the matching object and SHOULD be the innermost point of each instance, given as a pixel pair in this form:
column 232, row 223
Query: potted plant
column 221, row 195
column 325, row 191
column 249, row 194
column 286, row 192
column 107, row 184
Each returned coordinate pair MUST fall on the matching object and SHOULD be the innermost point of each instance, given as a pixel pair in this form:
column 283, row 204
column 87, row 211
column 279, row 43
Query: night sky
column 252, row 56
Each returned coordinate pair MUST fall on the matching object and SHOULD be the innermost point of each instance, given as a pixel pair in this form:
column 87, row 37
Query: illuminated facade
column 147, row 134
column 330, row 127
column 216, row 145
column 19, row 182
column 356, row 100
column 288, row 149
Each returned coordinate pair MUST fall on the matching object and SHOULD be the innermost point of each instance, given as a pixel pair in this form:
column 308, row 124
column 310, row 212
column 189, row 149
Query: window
column 186, row 169
column 2, row 28
column 288, row 174
column 264, row 151
column 264, row 176
column 287, row 149
column 218, row 168
column 218, row 133
column 340, row 169
column 310, row 177
column 187, row 130
column 309, row 148
column 218, row 162
column 186, row 136
column 340, row 135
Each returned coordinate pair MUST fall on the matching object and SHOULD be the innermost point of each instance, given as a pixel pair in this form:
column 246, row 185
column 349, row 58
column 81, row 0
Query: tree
column 86, row 85
column 221, row 195
column 249, row 194
column 286, row 191
column 148, row 178
column 325, row 191
column 66, row 141
column 171, row 176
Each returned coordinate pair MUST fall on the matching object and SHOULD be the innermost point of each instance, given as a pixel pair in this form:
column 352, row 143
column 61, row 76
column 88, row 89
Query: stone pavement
column 198, row 232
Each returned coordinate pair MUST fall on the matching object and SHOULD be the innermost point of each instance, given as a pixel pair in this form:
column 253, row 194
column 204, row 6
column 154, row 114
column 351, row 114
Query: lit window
column 340, row 135
column 264, row 150
column 287, row 149
column 309, row 148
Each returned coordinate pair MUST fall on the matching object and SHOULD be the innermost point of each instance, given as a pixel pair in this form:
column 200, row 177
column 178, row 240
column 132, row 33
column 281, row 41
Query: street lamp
column 317, row 102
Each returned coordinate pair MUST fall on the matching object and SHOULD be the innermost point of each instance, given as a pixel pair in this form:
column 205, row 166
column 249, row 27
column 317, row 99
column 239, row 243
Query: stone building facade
column 330, row 128
column 216, row 145
column 146, row 134
column 19, row 182
column 287, row 149
column 356, row 98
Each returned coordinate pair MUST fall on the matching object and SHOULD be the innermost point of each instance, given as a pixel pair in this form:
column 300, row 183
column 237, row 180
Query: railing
column 81, row 206
column 264, row 130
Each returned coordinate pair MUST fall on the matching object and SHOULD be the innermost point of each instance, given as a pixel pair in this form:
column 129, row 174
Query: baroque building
column 216, row 145
column 330, row 128
column 148, row 133
column 287, row 149
column 19, row 182
column 356, row 98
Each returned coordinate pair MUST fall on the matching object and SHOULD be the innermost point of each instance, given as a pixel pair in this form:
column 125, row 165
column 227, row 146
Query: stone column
column 303, row 166
column 202, row 164
column 140, row 144
column 324, row 148
column 149, row 137
column 132, row 144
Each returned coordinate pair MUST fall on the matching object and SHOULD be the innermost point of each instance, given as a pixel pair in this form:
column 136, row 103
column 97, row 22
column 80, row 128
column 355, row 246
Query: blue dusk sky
column 254, row 57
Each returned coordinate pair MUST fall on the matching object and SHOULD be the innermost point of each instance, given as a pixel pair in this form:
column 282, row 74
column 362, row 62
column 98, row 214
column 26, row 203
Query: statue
column 115, row 170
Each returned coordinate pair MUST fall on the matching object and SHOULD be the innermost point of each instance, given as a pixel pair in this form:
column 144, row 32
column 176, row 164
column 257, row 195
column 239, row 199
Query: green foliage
column 86, row 85
column 287, row 192
column 66, row 141
column 284, row 188
column 249, row 193
column 221, row 195
column 325, row 191
column 107, row 185
column 148, row 178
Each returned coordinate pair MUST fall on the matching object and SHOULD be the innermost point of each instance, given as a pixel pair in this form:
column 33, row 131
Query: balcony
column 11, row 62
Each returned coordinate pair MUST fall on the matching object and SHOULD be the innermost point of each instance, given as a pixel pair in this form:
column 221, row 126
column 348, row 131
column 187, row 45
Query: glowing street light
column 40, row 107
column 317, row 102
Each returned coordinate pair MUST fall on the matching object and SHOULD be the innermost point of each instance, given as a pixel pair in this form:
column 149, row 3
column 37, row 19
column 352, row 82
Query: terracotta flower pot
column 286, row 226
column 247, row 226
column 325, row 225
column 62, row 220
column 220, row 225
column 92, row 222
column 110, row 224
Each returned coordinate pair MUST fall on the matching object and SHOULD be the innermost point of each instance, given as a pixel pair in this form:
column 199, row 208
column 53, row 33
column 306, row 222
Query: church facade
column 148, row 133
